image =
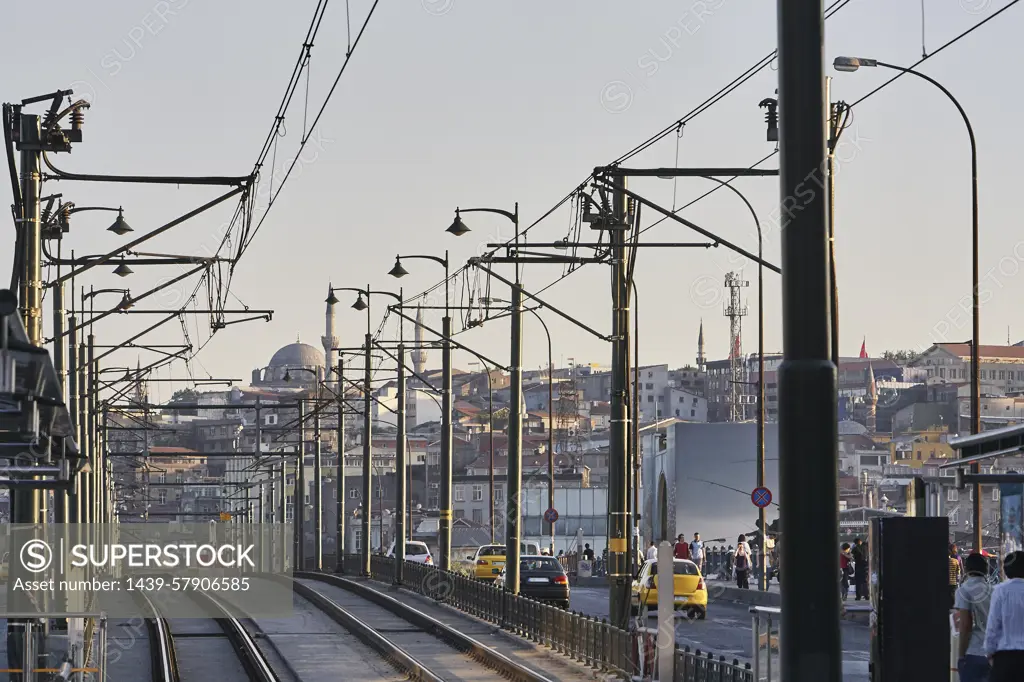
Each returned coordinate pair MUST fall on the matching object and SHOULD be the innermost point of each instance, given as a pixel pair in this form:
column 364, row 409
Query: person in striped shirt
column 955, row 572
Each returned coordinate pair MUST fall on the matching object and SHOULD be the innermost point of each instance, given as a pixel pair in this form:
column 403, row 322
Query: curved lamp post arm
column 514, row 217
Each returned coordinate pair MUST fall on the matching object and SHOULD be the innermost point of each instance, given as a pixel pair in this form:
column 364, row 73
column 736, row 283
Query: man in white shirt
column 972, row 604
column 697, row 552
column 652, row 552
column 1004, row 632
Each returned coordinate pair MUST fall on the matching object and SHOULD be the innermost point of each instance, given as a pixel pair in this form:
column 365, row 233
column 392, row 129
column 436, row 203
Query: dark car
column 541, row 578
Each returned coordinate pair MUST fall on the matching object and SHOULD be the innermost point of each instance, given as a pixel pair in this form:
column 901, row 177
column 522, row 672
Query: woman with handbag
column 741, row 563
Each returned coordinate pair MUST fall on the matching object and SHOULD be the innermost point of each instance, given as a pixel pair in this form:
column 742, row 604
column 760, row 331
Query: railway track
column 187, row 640
column 407, row 637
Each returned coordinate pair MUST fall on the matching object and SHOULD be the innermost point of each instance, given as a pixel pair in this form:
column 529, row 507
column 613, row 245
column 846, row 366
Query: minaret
column 329, row 340
column 700, row 347
column 140, row 386
column 872, row 400
column 419, row 356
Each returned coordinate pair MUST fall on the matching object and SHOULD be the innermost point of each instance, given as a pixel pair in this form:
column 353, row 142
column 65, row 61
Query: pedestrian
column 588, row 554
column 1004, row 630
column 697, row 552
column 741, row 563
column 652, row 552
column 972, row 605
column 846, row 568
column 955, row 574
column 682, row 548
column 860, row 569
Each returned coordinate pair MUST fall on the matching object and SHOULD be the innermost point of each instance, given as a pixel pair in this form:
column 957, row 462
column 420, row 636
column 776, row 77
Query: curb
column 540, row 648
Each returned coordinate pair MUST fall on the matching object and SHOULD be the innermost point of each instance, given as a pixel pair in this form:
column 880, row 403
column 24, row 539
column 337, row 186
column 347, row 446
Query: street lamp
column 851, row 64
column 362, row 304
column 444, row 529
column 123, row 270
column 118, row 227
column 513, row 517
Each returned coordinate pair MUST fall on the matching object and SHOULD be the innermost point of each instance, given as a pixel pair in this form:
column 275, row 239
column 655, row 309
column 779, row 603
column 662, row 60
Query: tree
column 185, row 395
column 901, row 357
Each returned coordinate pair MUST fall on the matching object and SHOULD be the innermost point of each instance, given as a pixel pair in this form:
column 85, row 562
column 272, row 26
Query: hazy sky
column 451, row 102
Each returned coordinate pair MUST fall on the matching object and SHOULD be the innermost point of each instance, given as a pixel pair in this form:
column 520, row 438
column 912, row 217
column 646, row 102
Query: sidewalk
column 856, row 611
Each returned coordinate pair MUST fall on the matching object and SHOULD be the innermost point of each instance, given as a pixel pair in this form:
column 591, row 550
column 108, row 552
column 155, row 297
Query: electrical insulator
column 77, row 118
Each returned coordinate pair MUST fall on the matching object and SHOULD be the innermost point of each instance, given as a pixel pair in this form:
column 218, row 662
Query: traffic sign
column 761, row 497
column 551, row 515
column 225, row 516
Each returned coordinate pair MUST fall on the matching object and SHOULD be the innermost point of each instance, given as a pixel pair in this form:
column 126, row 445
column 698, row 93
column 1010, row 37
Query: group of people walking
column 989, row 619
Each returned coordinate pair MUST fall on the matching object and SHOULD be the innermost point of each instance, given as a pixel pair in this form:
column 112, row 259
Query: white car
column 414, row 551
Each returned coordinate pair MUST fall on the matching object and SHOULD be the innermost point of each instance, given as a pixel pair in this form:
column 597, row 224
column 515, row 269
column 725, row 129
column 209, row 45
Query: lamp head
column 458, row 228
column 126, row 302
column 123, row 270
column 398, row 270
column 562, row 244
column 331, row 298
column 360, row 304
column 120, row 227
column 851, row 64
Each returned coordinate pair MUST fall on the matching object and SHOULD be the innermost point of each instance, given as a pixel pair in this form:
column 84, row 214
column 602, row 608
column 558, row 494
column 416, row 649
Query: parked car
column 490, row 559
column 690, row 593
column 414, row 551
column 541, row 577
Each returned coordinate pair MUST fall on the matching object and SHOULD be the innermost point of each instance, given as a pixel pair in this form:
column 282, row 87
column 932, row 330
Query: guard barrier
column 591, row 641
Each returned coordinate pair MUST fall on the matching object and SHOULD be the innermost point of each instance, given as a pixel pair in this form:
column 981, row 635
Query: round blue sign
column 551, row 515
column 761, row 497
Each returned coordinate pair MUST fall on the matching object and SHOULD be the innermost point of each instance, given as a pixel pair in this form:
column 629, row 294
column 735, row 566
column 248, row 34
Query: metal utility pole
column 444, row 534
column 513, row 520
column 833, row 138
column 811, row 646
column 400, row 470
column 367, row 451
column 299, row 494
column 318, row 505
column 31, row 146
column 282, row 502
column 92, row 372
column 339, row 481
column 76, row 422
column 619, row 525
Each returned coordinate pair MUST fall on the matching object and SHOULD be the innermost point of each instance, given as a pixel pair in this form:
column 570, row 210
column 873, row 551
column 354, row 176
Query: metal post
column 551, row 439
column 339, row 542
column 762, row 581
column 92, row 372
column 833, row 123
column 619, row 526
column 490, row 436
column 444, row 533
column 811, row 648
column 513, row 516
column 367, row 452
column 282, row 500
column 31, row 181
column 318, row 504
column 73, row 492
column 400, row 470
column 299, row 495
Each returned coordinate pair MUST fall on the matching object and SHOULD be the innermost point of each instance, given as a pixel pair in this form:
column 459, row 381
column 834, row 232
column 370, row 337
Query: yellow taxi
column 489, row 560
column 690, row 592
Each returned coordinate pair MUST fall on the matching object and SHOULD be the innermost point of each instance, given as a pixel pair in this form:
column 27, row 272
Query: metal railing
column 765, row 647
column 588, row 640
column 33, row 625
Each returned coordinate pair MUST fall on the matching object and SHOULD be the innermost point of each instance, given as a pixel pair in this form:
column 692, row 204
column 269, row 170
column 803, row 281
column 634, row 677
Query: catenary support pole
column 299, row 496
column 811, row 647
column 401, row 467
column 513, row 515
column 318, row 486
column 444, row 535
column 619, row 522
column 339, row 481
column 367, row 455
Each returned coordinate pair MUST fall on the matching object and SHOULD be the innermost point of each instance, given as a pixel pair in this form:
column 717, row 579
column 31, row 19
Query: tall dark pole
column 444, row 535
column 811, row 647
column 73, row 491
column 762, row 581
column 339, row 541
column 318, row 483
column 299, row 496
column 367, row 450
column 92, row 373
column 490, row 435
column 619, row 525
column 513, row 515
column 830, row 176
column 400, row 469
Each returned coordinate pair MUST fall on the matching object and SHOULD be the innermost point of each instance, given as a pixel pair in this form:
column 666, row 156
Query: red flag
column 864, row 349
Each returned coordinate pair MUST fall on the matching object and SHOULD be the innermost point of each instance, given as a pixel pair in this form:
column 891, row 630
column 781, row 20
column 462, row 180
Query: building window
column 677, row 413
column 682, row 400
column 952, row 495
column 499, row 494
column 1002, row 374
column 359, row 539
column 163, row 497
column 650, row 387
column 650, row 398
column 289, row 512
column 460, row 513
column 954, row 517
column 661, row 398
column 478, row 493
column 353, row 493
column 179, row 478
column 995, row 494
column 478, row 516
column 693, row 413
column 458, row 494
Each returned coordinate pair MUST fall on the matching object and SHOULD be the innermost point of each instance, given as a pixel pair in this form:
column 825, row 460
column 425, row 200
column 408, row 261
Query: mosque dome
column 297, row 355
